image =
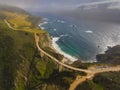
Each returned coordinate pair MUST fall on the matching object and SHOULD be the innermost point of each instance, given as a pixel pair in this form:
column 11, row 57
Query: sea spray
column 56, row 47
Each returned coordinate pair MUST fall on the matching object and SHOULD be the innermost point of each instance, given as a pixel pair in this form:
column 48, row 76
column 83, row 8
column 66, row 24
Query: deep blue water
column 82, row 39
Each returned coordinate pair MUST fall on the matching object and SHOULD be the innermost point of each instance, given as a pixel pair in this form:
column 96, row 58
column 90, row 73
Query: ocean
column 80, row 40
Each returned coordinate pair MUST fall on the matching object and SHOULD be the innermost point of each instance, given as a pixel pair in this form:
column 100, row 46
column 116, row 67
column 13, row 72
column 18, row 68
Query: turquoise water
column 83, row 40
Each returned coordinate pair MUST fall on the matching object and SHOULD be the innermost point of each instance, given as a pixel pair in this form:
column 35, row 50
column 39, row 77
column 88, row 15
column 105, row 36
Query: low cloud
column 22, row 3
column 45, row 5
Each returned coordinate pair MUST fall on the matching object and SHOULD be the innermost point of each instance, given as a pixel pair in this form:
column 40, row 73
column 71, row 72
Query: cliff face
column 45, row 40
column 111, row 56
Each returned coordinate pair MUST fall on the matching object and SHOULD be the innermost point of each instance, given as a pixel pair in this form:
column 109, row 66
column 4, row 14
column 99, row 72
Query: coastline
column 59, row 50
column 55, row 46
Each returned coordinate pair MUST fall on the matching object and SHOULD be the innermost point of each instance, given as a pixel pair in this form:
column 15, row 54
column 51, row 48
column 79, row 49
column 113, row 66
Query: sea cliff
column 23, row 67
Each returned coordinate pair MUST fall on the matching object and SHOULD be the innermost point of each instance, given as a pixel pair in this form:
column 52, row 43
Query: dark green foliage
column 103, row 81
column 40, row 72
column 28, row 50
column 89, row 85
column 61, row 79
column 110, row 80
column 79, row 64
column 19, row 59
column 15, row 49
column 8, row 62
column 21, row 67
column 3, row 26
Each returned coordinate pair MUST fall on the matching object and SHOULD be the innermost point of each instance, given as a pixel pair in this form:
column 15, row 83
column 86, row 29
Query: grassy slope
column 31, row 71
column 109, row 81
column 22, row 68
column 89, row 85
column 20, row 21
column 19, row 62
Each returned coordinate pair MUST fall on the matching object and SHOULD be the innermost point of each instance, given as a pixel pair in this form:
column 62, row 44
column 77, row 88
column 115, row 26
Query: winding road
column 56, row 60
column 53, row 58
column 10, row 25
column 90, row 73
column 89, row 76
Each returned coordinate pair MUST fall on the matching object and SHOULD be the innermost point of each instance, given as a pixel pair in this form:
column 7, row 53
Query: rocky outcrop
column 45, row 40
column 111, row 56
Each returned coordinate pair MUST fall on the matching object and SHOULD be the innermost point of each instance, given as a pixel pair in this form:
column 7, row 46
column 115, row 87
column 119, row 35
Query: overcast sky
column 48, row 4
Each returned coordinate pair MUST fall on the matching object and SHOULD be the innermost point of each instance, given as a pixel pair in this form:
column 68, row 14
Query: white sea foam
column 60, row 21
column 43, row 23
column 64, row 35
column 45, row 19
column 57, row 48
column 42, row 28
column 89, row 31
column 54, row 29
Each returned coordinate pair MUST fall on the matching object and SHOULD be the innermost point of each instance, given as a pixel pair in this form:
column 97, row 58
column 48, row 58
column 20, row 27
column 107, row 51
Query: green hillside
column 19, row 61
column 22, row 67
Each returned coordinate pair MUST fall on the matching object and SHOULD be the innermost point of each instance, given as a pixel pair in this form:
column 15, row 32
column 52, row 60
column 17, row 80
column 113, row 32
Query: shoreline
column 57, row 48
